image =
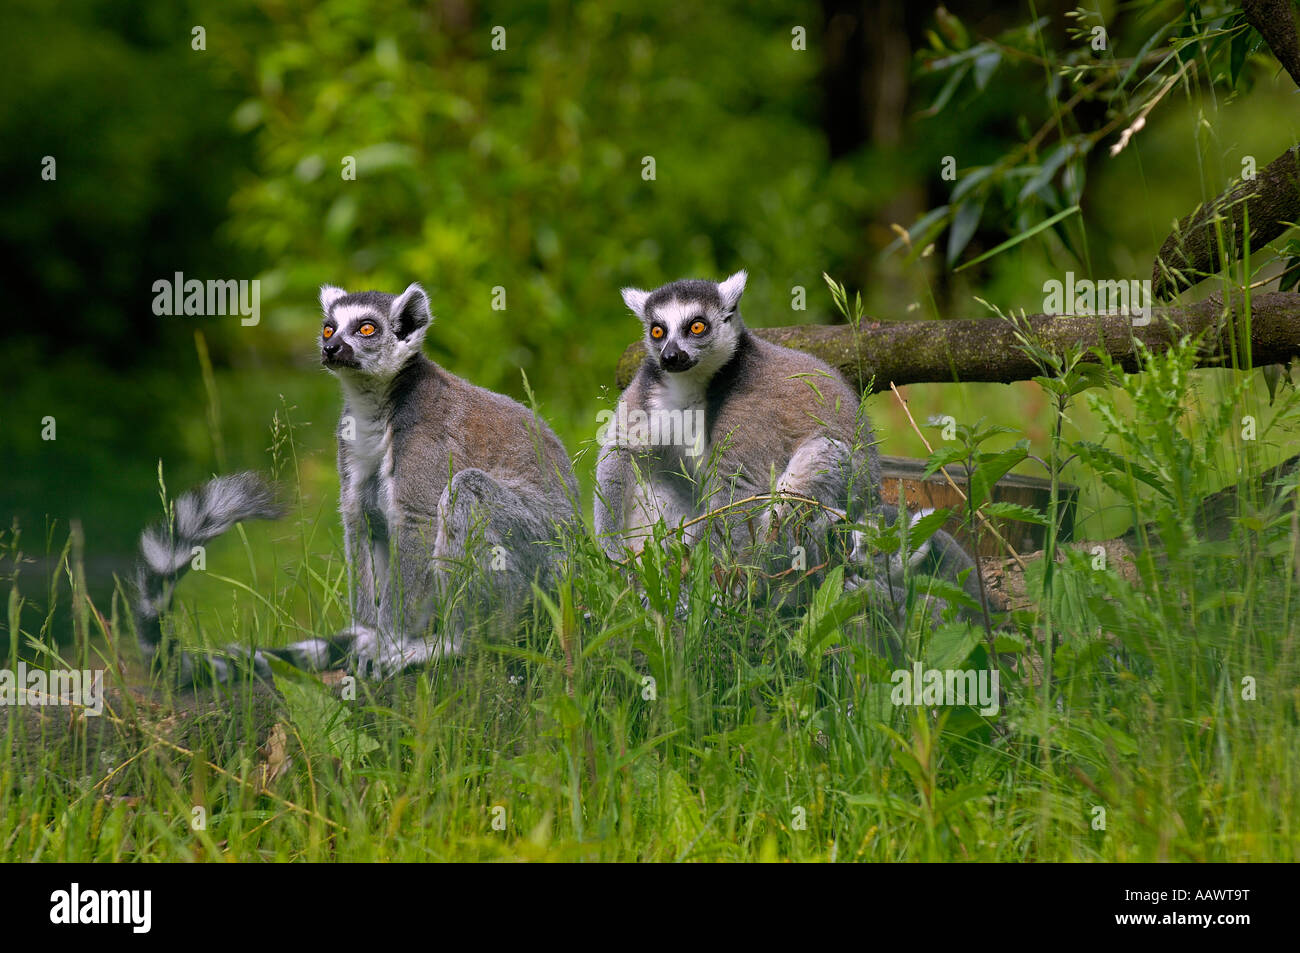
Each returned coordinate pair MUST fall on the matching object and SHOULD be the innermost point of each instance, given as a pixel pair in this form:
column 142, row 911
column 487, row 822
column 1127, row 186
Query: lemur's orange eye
column 366, row 330
column 698, row 327
column 327, row 333
column 656, row 332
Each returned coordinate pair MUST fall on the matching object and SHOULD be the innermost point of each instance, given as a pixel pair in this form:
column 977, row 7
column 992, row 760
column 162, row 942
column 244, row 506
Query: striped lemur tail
column 200, row 516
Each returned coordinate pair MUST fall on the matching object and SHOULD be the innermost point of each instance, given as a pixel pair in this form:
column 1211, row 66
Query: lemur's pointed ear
column 635, row 299
column 410, row 312
column 328, row 295
column 731, row 290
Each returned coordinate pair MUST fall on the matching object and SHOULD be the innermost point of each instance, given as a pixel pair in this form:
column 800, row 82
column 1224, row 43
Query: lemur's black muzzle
column 673, row 358
column 337, row 353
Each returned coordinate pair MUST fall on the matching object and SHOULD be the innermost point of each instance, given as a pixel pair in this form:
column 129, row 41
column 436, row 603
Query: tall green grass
column 1149, row 712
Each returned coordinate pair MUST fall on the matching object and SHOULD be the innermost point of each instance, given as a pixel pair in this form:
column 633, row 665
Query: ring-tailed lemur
column 767, row 418
column 452, row 499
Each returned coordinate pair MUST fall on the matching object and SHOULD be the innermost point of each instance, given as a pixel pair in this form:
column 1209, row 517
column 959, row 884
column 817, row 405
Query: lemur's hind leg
column 469, row 554
column 630, row 501
column 490, row 542
column 499, row 537
column 614, row 472
column 791, row 538
column 820, row 469
column 940, row 556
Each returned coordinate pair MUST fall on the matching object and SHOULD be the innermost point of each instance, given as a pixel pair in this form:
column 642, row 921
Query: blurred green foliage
column 524, row 169
column 145, row 162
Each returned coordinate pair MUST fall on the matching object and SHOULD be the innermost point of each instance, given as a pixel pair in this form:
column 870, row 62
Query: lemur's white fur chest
column 372, row 447
column 679, row 403
column 369, row 464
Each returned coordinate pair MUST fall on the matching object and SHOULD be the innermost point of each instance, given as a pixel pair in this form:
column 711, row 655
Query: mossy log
column 914, row 352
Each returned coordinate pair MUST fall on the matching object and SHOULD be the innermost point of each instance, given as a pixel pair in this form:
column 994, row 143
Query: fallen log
column 914, row 352
column 1218, row 513
column 1008, row 591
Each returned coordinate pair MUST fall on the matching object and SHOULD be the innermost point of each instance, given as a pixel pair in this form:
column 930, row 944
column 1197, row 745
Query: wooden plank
column 935, row 493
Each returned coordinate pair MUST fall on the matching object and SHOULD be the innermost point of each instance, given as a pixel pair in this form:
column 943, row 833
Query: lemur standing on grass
column 775, row 420
column 439, row 479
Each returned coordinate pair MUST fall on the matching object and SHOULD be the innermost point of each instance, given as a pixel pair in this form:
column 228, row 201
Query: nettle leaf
column 1086, row 375
column 650, row 565
column 980, row 433
column 992, row 467
column 323, row 721
column 926, row 526
column 936, row 588
column 1107, row 461
column 951, row 644
column 1052, row 385
column 1007, row 643
column 661, row 570
column 942, row 458
column 880, row 536
column 1015, row 511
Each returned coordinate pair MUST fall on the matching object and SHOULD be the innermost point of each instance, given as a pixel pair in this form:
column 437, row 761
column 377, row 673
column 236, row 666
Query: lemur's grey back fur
column 773, row 419
column 452, row 497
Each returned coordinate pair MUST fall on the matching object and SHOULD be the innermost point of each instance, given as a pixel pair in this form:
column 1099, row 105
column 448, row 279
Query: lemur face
column 369, row 333
column 689, row 325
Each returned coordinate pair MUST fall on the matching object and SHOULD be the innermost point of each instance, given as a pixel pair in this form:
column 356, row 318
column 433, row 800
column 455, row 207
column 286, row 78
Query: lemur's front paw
column 376, row 656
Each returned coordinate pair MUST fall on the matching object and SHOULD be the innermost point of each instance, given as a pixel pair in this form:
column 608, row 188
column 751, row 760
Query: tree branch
column 1275, row 21
column 1191, row 252
column 914, row 352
